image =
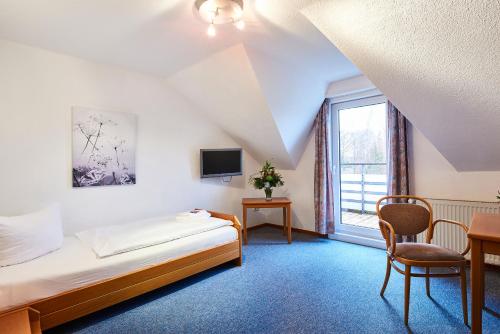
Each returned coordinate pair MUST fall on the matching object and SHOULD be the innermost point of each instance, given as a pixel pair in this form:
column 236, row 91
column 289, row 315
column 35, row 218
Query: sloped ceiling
column 438, row 61
column 283, row 63
column 225, row 88
column 293, row 95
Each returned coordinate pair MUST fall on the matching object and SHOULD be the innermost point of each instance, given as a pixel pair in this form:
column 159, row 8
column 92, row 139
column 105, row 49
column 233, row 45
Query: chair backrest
column 406, row 218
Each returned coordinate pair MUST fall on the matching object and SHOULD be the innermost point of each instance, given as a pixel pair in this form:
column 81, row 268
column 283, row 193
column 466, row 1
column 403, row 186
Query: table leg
column 482, row 281
column 245, row 233
column 284, row 221
column 477, row 285
column 289, row 222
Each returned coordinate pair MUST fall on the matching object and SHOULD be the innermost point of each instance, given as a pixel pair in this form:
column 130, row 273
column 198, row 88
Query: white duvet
column 116, row 239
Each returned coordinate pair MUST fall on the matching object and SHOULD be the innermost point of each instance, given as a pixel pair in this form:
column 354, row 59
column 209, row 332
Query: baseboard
column 358, row 240
column 294, row 229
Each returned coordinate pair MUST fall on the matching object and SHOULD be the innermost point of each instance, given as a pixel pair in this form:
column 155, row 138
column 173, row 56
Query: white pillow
column 26, row 237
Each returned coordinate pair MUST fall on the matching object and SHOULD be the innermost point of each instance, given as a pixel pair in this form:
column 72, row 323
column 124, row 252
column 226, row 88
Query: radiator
column 451, row 236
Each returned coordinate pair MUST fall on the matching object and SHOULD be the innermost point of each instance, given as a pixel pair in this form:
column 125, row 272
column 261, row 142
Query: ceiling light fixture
column 240, row 24
column 217, row 12
column 211, row 30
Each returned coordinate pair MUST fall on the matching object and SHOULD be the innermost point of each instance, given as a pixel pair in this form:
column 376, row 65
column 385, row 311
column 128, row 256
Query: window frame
column 343, row 232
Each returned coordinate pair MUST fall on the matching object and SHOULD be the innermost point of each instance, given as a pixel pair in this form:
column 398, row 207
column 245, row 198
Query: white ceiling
column 438, row 61
column 291, row 61
column 165, row 36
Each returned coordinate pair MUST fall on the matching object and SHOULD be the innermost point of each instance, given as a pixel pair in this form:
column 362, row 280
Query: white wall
column 299, row 187
column 38, row 89
column 349, row 86
column 433, row 176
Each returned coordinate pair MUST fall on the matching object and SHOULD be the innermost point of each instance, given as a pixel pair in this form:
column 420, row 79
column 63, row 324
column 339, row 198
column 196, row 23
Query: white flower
column 92, row 177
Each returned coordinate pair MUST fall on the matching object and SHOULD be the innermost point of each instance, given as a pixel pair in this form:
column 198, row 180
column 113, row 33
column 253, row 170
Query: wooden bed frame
column 75, row 303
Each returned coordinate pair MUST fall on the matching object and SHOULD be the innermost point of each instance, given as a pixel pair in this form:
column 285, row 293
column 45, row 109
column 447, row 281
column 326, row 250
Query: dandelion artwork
column 103, row 148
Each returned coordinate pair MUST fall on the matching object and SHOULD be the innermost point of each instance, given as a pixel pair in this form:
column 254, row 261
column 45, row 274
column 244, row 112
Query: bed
column 61, row 289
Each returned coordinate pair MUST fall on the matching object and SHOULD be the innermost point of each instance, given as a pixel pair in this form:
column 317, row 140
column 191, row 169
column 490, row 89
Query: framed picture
column 104, row 146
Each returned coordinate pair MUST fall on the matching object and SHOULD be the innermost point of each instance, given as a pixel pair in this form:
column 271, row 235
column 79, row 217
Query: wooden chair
column 412, row 219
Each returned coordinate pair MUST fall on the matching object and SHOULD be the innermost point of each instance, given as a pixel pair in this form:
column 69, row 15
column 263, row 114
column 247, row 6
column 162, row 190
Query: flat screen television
column 220, row 162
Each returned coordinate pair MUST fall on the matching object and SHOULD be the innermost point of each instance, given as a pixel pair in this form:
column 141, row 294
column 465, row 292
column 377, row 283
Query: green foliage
column 267, row 177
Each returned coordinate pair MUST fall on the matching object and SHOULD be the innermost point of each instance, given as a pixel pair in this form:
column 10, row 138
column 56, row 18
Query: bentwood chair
column 407, row 219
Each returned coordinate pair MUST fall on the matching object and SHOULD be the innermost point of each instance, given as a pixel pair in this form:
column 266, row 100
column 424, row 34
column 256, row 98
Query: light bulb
column 240, row 24
column 212, row 15
column 211, row 30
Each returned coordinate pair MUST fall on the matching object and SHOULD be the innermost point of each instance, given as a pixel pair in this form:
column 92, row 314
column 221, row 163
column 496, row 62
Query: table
column 276, row 202
column 21, row 321
column 484, row 235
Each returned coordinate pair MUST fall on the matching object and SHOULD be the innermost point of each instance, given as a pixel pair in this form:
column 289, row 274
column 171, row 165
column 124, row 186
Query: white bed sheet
column 76, row 265
column 115, row 239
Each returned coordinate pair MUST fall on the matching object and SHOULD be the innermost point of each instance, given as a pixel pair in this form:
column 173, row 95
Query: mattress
column 76, row 265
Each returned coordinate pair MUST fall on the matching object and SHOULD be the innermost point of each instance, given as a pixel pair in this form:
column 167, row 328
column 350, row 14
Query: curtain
column 398, row 158
column 323, row 176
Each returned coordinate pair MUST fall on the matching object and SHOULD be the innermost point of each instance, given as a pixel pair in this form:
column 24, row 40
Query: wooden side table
column 484, row 235
column 21, row 321
column 277, row 202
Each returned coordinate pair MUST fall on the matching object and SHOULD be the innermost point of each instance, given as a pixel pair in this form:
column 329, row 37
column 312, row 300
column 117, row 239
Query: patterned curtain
column 323, row 176
column 398, row 158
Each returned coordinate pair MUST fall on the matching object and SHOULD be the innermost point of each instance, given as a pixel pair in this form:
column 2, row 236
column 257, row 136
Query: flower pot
column 269, row 193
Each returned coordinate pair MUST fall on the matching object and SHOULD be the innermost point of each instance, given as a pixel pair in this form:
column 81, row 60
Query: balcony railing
column 361, row 186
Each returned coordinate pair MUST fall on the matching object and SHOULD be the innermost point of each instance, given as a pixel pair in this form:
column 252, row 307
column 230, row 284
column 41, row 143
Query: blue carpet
column 312, row 286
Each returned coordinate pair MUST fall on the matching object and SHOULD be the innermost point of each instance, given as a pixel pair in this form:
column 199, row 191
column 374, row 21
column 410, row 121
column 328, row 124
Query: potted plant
column 267, row 178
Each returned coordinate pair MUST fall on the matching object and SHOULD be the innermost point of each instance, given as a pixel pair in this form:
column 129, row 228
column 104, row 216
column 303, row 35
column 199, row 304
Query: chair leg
column 407, row 292
column 387, row 275
column 427, row 282
column 463, row 283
